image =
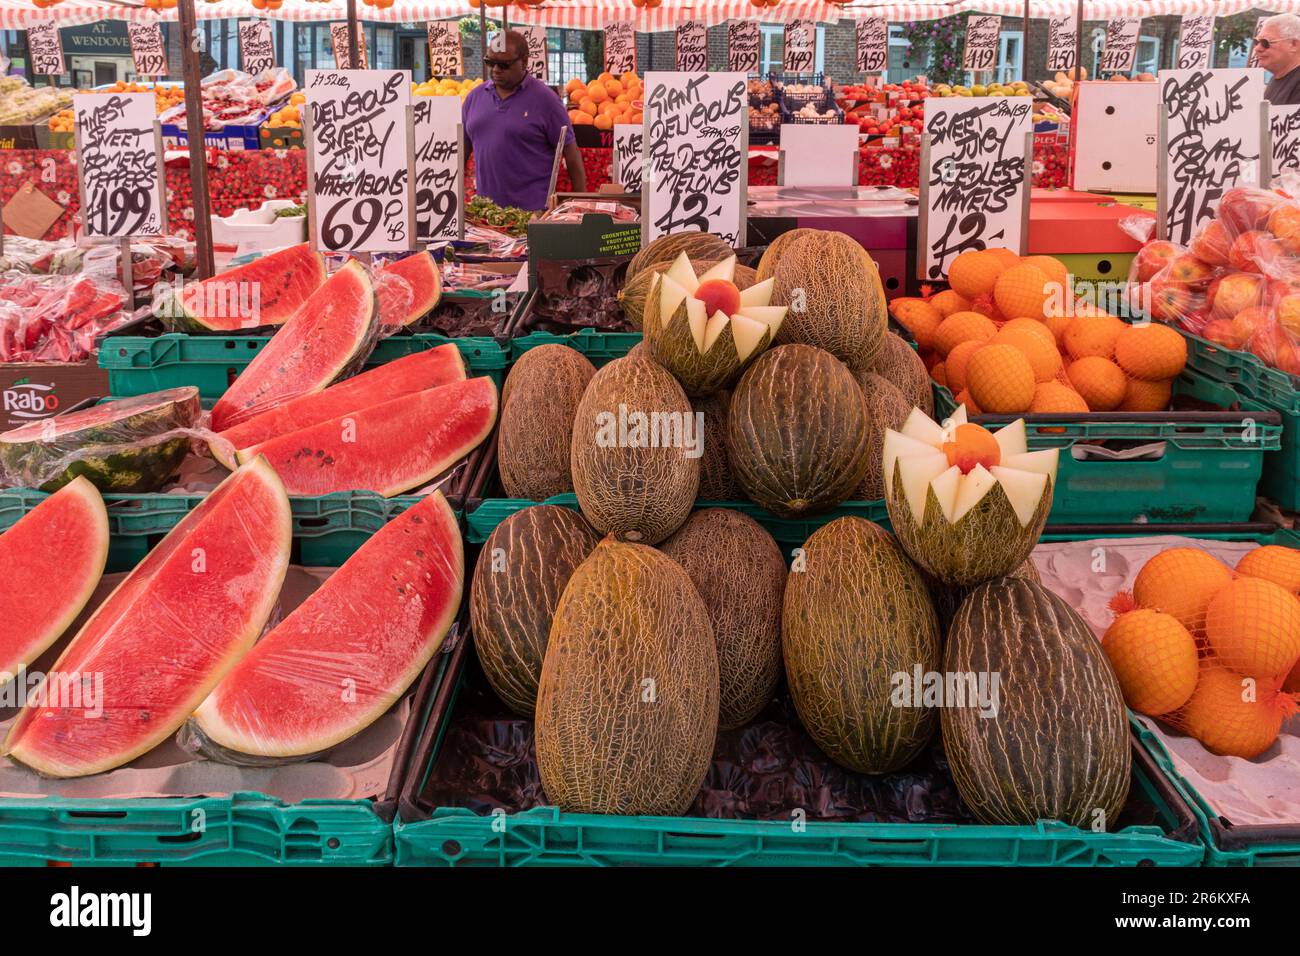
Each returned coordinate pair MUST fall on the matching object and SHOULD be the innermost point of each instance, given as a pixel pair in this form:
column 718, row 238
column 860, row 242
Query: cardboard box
column 232, row 137
column 596, row 237
column 19, row 137
column 31, row 391
column 280, row 137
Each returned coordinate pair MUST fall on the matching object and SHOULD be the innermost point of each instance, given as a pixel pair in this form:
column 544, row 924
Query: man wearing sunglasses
column 512, row 126
column 1277, row 46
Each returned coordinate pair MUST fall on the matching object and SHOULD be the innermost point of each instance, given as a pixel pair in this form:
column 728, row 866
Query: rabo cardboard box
column 31, row 391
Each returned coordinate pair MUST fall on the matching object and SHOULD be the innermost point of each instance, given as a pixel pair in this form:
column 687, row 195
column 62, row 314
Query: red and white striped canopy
column 17, row 14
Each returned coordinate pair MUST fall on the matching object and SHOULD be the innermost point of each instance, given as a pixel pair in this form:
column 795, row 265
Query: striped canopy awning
column 17, row 14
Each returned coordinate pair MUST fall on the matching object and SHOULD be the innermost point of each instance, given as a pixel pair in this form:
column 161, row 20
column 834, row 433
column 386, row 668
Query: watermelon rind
column 298, row 266
column 302, row 454
column 123, row 446
column 275, row 537
column 275, row 375
column 298, row 652
column 78, row 492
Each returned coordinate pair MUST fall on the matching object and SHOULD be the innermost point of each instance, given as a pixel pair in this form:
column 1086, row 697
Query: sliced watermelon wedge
column 411, row 373
column 165, row 636
column 408, row 289
column 328, row 337
column 266, row 291
column 53, row 559
column 347, row 653
column 388, row 448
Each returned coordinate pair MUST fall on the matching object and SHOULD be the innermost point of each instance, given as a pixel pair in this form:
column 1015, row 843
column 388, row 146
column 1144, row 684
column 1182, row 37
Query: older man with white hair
column 1277, row 45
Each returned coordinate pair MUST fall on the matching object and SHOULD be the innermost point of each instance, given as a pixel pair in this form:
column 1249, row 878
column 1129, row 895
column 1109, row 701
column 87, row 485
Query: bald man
column 1277, row 42
column 513, row 125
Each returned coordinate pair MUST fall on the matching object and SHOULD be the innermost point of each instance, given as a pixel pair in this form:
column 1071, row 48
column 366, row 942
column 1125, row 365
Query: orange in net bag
column 1224, row 641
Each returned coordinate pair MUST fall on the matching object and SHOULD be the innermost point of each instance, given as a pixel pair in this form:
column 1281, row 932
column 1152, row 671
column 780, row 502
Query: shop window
column 772, row 48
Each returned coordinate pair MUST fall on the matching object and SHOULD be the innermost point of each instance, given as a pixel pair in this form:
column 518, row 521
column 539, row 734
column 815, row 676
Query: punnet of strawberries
column 56, row 318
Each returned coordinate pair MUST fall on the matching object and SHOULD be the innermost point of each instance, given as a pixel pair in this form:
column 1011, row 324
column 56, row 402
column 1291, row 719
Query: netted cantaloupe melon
column 521, row 573
column 635, row 452
column 857, row 615
column 703, row 328
column 797, row 435
column 738, row 570
column 632, row 297
column 1055, row 745
column 968, row 505
column 836, row 300
column 696, row 244
column 900, row 365
column 627, row 708
column 772, row 254
column 540, row 398
column 886, row 408
column 717, row 480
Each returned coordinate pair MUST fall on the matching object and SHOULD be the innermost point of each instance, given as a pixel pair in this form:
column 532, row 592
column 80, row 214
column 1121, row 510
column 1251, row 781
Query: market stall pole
column 1024, row 45
column 353, row 27
column 482, row 39
column 192, row 76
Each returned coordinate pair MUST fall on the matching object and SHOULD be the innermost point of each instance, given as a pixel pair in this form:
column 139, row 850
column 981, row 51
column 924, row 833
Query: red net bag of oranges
column 1212, row 650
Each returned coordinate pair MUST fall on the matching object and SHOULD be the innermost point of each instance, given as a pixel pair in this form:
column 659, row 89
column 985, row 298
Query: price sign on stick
column 119, row 164
column 359, row 160
column 629, row 155
column 692, row 47
column 339, row 43
column 620, row 48
column 800, row 46
column 1284, row 138
column 1061, row 37
column 696, row 139
column 439, row 176
column 1121, row 44
column 742, row 46
column 981, row 52
column 974, row 178
column 445, row 56
column 873, row 45
column 1195, row 37
column 45, row 48
column 147, row 49
column 1209, row 142
column 256, row 46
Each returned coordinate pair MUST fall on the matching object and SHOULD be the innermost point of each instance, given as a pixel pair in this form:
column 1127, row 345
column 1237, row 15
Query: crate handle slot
column 192, row 837
column 99, row 814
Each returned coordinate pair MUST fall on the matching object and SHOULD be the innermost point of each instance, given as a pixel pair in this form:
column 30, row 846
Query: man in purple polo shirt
column 512, row 126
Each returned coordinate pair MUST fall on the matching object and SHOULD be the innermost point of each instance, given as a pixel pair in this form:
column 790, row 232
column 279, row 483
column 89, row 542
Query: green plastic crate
column 788, row 532
column 243, row 829
column 138, row 365
column 598, row 347
column 545, row 836
column 326, row 530
column 1247, row 374
column 1208, row 473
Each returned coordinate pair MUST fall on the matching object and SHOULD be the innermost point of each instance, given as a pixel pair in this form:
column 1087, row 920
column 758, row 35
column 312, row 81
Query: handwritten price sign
column 256, row 46
column 695, row 161
column 742, row 46
column 358, row 160
column 1195, row 36
column 1212, row 143
column 439, row 183
column 629, row 155
column 1120, row 51
column 1062, row 34
column 339, row 43
column 445, row 57
column 873, row 45
column 121, row 191
column 982, row 34
column 800, row 46
column 620, row 48
column 147, row 49
column 975, row 183
column 1284, row 138
column 692, row 47
column 45, row 48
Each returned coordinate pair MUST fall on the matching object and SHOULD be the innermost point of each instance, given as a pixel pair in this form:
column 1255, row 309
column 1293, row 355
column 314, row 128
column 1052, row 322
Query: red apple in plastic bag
column 1153, row 257
column 1246, row 208
column 1223, row 332
column 1284, row 224
column 1211, row 244
column 1188, row 270
column 1231, row 293
column 1256, row 251
column 1169, row 301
